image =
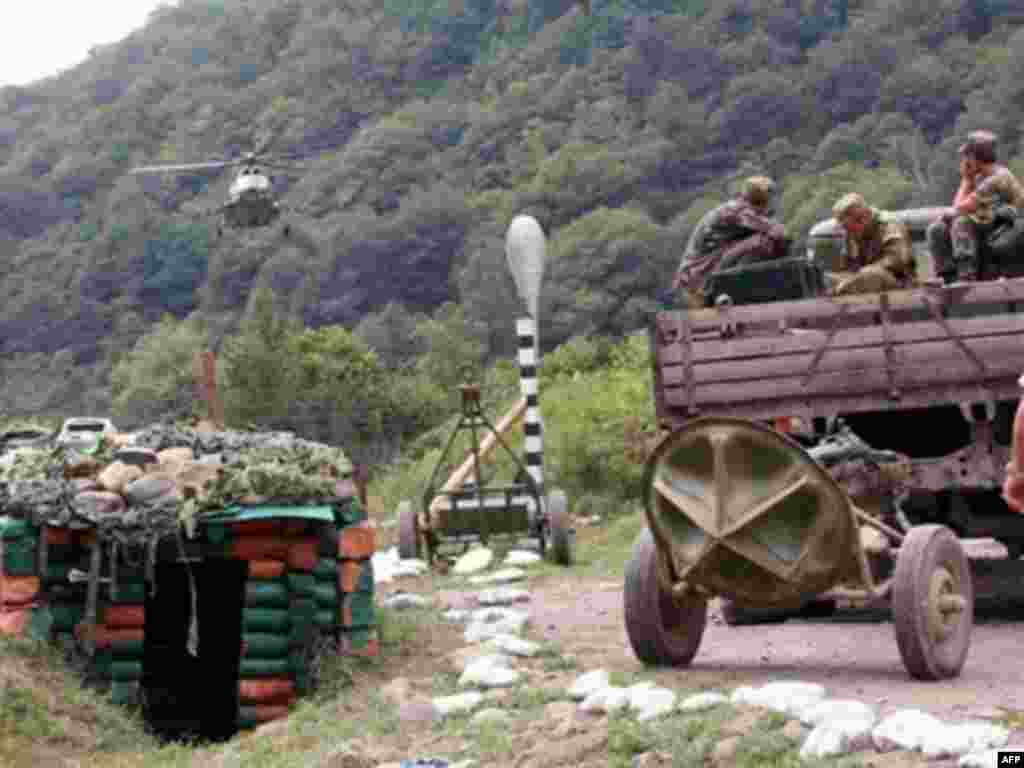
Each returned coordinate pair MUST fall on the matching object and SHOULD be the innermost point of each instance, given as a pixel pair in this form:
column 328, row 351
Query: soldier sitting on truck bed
column 878, row 254
column 987, row 193
column 739, row 232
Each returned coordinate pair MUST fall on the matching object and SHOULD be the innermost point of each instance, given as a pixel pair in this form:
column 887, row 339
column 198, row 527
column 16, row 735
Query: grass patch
column 689, row 739
column 559, row 662
column 528, row 698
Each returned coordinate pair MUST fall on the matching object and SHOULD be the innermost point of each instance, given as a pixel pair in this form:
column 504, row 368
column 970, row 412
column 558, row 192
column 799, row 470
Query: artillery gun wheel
column 933, row 603
column 663, row 630
column 559, row 542
column 408, row 531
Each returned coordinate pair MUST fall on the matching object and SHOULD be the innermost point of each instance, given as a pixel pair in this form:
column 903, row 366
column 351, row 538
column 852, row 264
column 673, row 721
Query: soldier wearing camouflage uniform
column 987, row 192
column 878, row 254
column 739, row 232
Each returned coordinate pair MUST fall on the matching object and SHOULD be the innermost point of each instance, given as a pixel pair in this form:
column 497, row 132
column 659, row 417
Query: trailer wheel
column 408, row 531
column 559, row 528
column 662, row 630
column 933, row 603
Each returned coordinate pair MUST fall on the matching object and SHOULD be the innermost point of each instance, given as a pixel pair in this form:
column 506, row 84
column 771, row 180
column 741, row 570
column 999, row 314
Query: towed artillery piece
column 819, row 449
column 467, row 508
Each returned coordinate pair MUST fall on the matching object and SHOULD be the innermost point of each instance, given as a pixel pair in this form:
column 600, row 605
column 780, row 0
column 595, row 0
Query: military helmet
column 981, row 145
column 758, row 190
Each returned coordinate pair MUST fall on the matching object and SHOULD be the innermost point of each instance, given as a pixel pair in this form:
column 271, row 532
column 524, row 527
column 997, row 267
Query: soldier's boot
column 940, row 243
column 965, row 249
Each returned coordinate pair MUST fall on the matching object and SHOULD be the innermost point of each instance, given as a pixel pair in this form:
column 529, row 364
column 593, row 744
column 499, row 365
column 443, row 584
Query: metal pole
column 533, row 428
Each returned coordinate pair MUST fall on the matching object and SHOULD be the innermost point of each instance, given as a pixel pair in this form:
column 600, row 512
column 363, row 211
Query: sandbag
column 326, row 569
column 301, row 584
column 12, row 528
column 357, row 542
column 326, row 595
column 14, row 621
column 16, row 591
column 267, row 690
column 18, row 556
column 65, row 615
column 357, row 610
column 57, row 537
column 124, row 671
column 326, row 619
column 263, row 667
column 258, row 548
column 355, row 575
column 125, row 693
column 261, row 528
column 125, row 616
column 263, row 645
column 266, row 569
column 124, row 644
column 303, row 554
column 273, row 620
column 132, row 593
column 266, row 594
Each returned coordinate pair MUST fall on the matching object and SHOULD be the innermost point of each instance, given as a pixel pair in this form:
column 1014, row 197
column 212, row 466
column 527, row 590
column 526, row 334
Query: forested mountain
column 426, row 124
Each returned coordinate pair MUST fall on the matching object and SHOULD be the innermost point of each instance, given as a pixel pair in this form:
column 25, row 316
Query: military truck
column 909, row 394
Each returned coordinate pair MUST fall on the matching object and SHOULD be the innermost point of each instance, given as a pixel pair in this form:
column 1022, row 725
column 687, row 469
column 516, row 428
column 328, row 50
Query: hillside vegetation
column 424, row 126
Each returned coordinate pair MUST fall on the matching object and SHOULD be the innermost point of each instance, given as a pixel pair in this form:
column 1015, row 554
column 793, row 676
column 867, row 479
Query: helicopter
column 251, row 201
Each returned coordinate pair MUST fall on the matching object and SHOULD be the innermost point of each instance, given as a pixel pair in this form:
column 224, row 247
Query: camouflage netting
column 177, row 475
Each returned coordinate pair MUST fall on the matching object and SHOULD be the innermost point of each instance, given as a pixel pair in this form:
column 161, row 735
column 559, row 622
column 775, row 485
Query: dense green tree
column 154, row 378
column 256, row 371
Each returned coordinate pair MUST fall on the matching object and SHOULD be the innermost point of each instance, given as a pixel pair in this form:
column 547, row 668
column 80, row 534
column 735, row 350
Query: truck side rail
column 823, row 356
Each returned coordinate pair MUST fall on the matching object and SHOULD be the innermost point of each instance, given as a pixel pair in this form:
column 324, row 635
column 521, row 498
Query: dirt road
column 854, row 657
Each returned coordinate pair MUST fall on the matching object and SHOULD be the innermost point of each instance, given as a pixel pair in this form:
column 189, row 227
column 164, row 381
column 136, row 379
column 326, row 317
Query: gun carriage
column 819, row 448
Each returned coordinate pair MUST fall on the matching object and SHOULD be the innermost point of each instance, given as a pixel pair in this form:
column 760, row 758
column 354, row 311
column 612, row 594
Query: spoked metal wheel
column 662, row 629
column 559, row 529
column 408, row 531
column 933, row 603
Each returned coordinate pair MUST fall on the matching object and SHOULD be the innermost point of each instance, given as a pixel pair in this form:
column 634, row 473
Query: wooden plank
column 800, row 342
column 845, row 383
column 768, row 409
column 1004, row 351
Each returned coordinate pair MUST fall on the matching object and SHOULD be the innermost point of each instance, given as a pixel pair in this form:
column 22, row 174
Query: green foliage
column 258, row 380
column 808, row 199
column 88, row 231
column 580, row 355
column 155, row 377
column 454, row 349
column 174, row 265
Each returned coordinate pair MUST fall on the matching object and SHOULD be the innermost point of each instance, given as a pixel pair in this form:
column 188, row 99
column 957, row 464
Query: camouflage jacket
column 1000, row 188
column 884, row 242
column 721, row 226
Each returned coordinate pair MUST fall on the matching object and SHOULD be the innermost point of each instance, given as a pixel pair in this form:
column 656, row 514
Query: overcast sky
column 39, row 38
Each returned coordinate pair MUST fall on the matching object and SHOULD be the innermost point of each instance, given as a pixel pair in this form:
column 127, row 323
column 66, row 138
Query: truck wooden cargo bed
column 942, row 345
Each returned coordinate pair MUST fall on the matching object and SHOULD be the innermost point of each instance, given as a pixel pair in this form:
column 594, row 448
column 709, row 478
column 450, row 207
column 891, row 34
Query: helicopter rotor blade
column 182, row 167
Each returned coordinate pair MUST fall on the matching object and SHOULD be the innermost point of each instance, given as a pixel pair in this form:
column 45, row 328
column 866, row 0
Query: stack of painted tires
column 356, row 545
column 19, row 584
column 266, row 687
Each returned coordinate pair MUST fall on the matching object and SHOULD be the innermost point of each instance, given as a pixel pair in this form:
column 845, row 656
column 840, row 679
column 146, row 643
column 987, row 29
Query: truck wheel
column 933, row 603
column 559, row 528
column 408, row 531
column 662, row 630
